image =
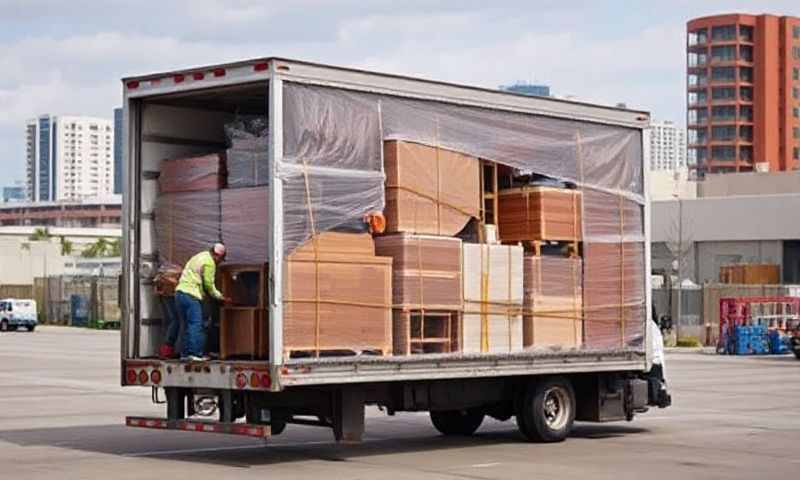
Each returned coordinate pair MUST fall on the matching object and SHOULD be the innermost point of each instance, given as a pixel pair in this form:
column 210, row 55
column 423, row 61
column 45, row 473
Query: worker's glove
column 227, row 301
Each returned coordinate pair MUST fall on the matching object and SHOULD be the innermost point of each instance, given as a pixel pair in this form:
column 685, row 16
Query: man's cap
column 219, row 250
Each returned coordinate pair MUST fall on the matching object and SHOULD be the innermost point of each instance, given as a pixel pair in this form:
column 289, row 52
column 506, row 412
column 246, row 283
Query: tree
column 66, row 246
column 40, row 235
column 102, row 247
column 116, row 248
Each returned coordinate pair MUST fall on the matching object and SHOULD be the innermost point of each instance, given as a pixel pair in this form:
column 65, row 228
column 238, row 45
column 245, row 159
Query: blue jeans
column 190, row 311
column 169, row 310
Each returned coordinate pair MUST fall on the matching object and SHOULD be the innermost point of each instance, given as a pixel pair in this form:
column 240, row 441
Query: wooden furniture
column 244, row 333
column 420, row 332
column 337, row 302
column 492, row 320
column 429, row 190
column 539, row 213
column 553, row 302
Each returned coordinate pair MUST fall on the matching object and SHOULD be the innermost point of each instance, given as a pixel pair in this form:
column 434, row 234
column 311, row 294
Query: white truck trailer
column 311, row 109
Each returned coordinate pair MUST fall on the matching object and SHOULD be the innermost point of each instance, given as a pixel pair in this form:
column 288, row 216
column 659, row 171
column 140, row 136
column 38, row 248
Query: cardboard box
column 429, row 190
column 493, row 295
column 426, row 271
column 553, row 304
column 539, row 213
column 192, row 174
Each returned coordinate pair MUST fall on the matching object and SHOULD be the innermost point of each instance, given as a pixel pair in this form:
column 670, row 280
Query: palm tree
column 100, row 248
column 40, row 235
column 116, row 248
column 66, row 246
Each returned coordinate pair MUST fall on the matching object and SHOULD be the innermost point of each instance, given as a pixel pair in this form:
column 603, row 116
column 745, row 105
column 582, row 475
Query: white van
column 16, row 313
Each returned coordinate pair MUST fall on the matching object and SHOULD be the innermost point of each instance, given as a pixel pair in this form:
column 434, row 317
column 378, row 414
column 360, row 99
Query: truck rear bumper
column 249, row 430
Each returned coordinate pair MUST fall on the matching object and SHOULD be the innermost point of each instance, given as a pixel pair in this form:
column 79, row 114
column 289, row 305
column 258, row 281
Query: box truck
column 325, row 131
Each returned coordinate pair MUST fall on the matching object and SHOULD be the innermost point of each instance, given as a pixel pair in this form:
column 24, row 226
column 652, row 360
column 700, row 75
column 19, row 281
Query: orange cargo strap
column 315, row 243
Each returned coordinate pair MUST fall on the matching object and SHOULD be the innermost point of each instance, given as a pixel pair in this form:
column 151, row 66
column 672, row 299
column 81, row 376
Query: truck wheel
column 457, row 422
column 797, row 353
column 546, row 410
column 31, row 328
column 4, row 326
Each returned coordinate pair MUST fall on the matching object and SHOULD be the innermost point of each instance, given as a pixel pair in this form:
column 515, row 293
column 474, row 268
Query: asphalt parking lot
column 62, row 413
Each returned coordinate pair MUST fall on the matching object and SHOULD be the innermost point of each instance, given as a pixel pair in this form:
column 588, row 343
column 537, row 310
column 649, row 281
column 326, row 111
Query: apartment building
column 69, row 158
column 667, row 146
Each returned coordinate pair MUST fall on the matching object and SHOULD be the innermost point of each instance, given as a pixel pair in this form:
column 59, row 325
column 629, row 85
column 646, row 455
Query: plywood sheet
column 186, row 223
column 243, row 333
column 503, row 330
column 190, row 174
column 245, row 228
column 429, row 190
column 492, row 273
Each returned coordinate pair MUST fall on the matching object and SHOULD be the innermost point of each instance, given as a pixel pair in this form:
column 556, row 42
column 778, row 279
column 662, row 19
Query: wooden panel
column 246, row 285
column 750, row 274
column 539, row 213
column 429, row 190
column 553, row 304
column 190, row 174
column 426, row 270
column 243, row 332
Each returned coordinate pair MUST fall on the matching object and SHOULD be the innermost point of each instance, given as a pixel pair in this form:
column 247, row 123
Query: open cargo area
column 385, row 226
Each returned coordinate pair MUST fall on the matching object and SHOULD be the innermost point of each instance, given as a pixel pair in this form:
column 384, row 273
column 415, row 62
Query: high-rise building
column 528, row 89
column 13, row 194
column 743, row 93
column 667, row 146
column 118, row 150
column 69, row 158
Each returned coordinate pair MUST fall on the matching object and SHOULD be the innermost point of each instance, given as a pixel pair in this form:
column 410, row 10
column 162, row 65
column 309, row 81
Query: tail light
column 131, row 377
column 155, row 376
column 266, row 382
column 241, row 380
column 143, row 377
column 255, row 380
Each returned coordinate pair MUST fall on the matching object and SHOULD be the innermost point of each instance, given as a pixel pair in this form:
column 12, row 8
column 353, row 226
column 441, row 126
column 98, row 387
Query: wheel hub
column 555, row 408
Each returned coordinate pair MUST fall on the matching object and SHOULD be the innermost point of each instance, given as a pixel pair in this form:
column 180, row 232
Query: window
column 723, row 93
column 796, row 53
column 746, row 74
column 746, row 153
column 796, row 73
column 796, row 132
column 698, row 37
column 723, row 74
column 697, row 80
column 746, row 94
column 724, row 113
column 796, row 31
column 725, row 53
column 746, row 53
column 796, row 112
column 796, row 153
column 724, row 133
column 697, row 98
column 795, row 92
column 723, row 32
column 746, row 133
column 746, row 33
column 697, row 59
column 746, row 113
column 723, row 152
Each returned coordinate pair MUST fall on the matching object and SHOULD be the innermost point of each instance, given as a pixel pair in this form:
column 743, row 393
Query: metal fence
column 88, row 301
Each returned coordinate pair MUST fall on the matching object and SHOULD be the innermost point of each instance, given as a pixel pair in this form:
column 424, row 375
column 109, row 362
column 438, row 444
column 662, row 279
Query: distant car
column 16, row 313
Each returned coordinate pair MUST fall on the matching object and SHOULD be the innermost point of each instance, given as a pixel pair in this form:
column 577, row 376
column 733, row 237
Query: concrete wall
column 666, row 184
column 21, row 262
column 725, row 185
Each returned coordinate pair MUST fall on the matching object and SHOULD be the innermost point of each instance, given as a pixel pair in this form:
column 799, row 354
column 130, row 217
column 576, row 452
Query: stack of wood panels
column 244, row 226
column 337, row 297
column 186, row 223
column 553, row 303
column 192, row 174
column 493, row 279
column 426, row 290
column 613, row 293
column 539, row 213
column 750, row 274
column 429, row 190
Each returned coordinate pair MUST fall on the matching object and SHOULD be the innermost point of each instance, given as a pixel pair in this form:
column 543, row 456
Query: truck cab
column 17, row 313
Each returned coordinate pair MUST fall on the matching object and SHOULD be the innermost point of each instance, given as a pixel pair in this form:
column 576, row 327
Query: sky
column 67, row 57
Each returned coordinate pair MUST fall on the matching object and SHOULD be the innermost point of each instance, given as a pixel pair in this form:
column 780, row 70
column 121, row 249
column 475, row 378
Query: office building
column 743, row 93
column 667, row 146
column 118, row 150
column 69, row 158
column 528, row 89
column 13, row 194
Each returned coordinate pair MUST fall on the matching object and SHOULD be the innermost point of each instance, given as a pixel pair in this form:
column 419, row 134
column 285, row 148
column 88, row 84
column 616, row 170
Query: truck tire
column 3, row 326
column 31, row 328
column 797, row 353
column 457, row 422
column 546, row 410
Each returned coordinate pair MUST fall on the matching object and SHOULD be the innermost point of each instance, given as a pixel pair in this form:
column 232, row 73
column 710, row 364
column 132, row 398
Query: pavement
column 62, row 411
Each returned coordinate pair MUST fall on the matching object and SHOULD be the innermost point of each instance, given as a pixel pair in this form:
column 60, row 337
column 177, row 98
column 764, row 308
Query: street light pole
column 680, row 268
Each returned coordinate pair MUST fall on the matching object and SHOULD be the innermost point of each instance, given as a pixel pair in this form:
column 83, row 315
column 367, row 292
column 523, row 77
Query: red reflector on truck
column 255, row 380
column 266, row 382
column 260, row 67
column 241, row 380
column 131, row 377
column 198, row 76
column 143, row 377
column 219, row 72
column 133, row 84
column 155, row 377
column 179, row 78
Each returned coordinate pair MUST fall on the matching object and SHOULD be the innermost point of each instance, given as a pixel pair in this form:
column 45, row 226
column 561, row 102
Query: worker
column 657, row 381
column 196, row 283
